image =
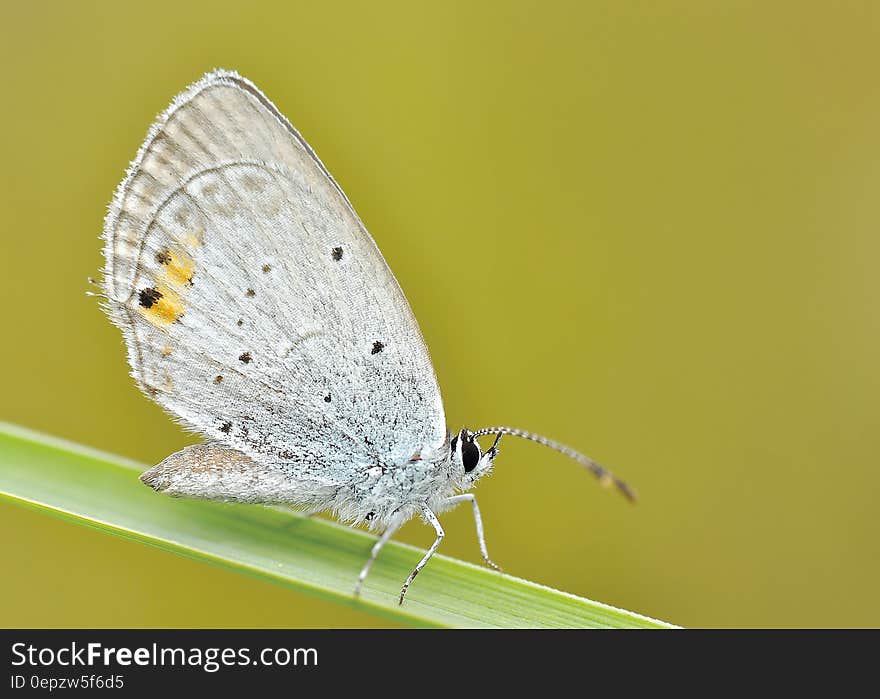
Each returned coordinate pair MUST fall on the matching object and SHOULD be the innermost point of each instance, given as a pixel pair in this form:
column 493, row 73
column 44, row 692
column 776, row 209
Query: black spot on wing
column 218, row 379
column 163, row 257
column 250, row 293
column 377, row 347
column 149, row 296
column 226, row 427
column 336, row 254
column 245, row 357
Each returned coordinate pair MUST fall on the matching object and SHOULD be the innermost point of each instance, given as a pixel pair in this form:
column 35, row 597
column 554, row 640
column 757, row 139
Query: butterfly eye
column 470, row 455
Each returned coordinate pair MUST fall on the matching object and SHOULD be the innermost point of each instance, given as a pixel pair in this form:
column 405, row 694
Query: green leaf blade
column 313, row 556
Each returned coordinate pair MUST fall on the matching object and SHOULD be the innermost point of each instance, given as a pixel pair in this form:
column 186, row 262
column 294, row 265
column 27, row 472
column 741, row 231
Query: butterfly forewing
column 254, row 304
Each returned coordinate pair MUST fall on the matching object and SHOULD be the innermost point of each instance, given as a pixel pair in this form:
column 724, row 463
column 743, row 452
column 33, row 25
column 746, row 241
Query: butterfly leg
column 432, row 519
column 470, row 497
column 374, row 554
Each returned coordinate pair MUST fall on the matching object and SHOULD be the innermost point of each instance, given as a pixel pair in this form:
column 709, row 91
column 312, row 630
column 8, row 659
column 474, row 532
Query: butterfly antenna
column 605, row 477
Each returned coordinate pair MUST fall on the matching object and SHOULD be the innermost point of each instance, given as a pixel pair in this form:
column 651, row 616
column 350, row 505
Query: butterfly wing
column 254, row 304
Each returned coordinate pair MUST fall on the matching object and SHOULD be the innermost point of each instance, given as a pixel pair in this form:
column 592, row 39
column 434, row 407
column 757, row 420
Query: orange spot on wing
column 179, row 270
column 164, row 311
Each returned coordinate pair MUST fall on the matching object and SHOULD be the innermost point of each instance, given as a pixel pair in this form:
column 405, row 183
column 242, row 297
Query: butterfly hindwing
column 255, row 305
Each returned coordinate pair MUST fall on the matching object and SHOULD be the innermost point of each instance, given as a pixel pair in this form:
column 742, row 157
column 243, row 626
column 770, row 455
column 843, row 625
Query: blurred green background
column 646, row 229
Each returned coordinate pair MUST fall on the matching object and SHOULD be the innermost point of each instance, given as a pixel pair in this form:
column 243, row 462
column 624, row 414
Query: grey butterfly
column 258, row 311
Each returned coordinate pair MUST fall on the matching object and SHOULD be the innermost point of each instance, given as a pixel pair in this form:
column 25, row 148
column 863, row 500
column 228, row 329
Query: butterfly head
column 467, row 455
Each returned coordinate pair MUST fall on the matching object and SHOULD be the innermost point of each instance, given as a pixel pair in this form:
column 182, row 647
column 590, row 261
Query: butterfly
column 258, row 311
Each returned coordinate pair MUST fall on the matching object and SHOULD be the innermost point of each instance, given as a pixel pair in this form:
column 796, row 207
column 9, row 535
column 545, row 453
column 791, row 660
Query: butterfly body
column 375, row 495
